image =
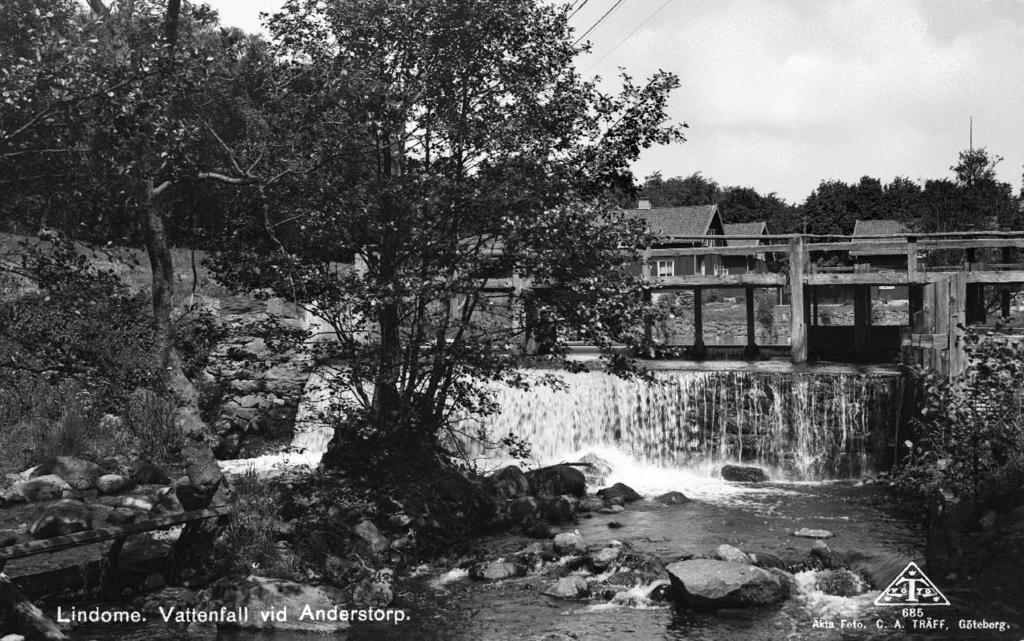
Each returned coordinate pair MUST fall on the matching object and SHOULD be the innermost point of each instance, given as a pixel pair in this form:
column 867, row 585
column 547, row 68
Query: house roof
column 882, row 227
column 677, row 222
column 756, row 228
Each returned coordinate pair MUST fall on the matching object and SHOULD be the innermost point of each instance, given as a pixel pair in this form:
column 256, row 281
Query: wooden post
column 645, row 274
column 751, row 350
column 1004, row 303
column 940, row 352
column 957, row 321
column 814, row 307
column 797, row 321
column 911, row 255
column 699, row 351
column 861, row 321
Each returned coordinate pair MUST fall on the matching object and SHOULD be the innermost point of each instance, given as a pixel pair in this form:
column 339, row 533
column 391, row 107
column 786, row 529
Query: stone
column 766, row 560
column 146, row 473
column 203, row 471
column 509, row 483
column 839, row 583
column 619, row 494
column 12, row 637
column 808, row 533
column 604, row 557
column 375, row 591
column 612, row 509
column 59, row 518
column 590, row 504
column 557, row 479
column 367, row 531
column 731, row 554
column 496, row 570
column 614, row 525
column 558, row 509
column 573, row 586
column 121, row 516
column 42, row 488
column 228, row 446
column 672, row 498
column 539, row 530
column 166, row 502
column 524, row 510
column 708, row 584
column 263, row 594
column 8, row 537
column 569, row 543
column 244, row 386
column 249, row 401
column 79, row 473
column 9, row 497
column 113, row 483
column 825, row 558
column 597, row 469
column 743, row 474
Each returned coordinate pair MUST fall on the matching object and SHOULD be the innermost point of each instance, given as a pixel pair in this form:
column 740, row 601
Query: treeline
column 972, row 198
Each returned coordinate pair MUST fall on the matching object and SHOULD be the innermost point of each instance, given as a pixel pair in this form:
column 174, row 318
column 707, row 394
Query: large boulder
column 619, row 494
column 569, row 543
column 42, row 488
column 525, row 509
column 596, row 470
column 573, row 586
column 732, row 554
column 558, row 509
column 367, row 531
column 307, row 608
column 509, row 483
column 59, row 518
column 557, row 479
column 672, row 498
column 113, row 483
column 840, row 583
column 77, row 472
column 145, row 473
column 708, row 584
column 743, row 474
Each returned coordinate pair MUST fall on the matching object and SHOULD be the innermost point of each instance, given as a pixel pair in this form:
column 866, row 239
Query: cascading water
column 804, row 424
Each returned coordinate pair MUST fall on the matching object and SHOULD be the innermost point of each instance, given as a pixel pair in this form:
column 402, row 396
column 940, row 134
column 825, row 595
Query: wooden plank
column 751, row 349
column 12, row 600
column 957, row 321
column 699, row 350
column 862, row 319
column 725, row 280
column 1014, row 276
column 861, row 246
column 912, row 254
column 872, row 278
column 798, row 324
column 88, row 537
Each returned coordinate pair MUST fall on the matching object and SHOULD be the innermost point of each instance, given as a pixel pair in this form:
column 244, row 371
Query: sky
column 782, row 94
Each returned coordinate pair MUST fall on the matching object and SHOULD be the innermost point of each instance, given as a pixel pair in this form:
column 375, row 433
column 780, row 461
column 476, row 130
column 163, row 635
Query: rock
column 121, row 516
column 558, row 509
column 12, row 637
column 228, row 446
column 808, row 533
column 145, row 473
column 604, row 557
column 766, row 561
column 839, row 583
column 590, row 504
column 10, row 497
column 264, row 594
column 743, row 474
column 375, row 591
column 152, row 582
column 524, row 510
column 672, row 498
column 614, row 525
column 619, row 494
column 570, row 587
column 116, row 464
column 509, row 483
column 711, row 584
column 8, row 537
column 728, row 553
column 167, row 502
column 597, row 470
column 539, row 530
column 569, row 543
column 367, row 531
column 825, row 558
column 557, row 479
column 203, row 471
column 496, row 570
column 63, row 517
column 113, row 483
column 42, row 488
column 77, row 472
column 612, row 509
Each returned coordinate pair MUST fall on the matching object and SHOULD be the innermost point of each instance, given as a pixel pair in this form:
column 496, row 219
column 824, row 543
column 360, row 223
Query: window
column 666, row 268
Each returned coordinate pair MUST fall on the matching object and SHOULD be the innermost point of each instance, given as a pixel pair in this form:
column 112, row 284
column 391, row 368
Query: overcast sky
column 781, row 95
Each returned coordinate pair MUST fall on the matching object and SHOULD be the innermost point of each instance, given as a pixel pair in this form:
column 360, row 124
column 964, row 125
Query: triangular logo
column 911, row 587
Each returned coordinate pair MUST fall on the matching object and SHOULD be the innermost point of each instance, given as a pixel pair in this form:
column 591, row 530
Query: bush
column 970, row 436
column 249, row 544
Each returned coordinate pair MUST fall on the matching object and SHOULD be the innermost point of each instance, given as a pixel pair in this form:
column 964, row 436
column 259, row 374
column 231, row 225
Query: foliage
column 970, row 436
column 248, row 545
column 450, row 142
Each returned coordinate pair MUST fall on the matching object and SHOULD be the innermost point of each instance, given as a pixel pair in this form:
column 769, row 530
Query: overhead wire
column 576, row 9
column 598, row 23
column 630, row 34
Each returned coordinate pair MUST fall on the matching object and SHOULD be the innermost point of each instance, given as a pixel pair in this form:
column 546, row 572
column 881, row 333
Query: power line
column 599, row 21
column 577, row 9
column 630, row 34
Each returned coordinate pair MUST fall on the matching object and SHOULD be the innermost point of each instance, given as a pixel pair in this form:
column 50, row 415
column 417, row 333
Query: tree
column 451, row 142
column 694, row 189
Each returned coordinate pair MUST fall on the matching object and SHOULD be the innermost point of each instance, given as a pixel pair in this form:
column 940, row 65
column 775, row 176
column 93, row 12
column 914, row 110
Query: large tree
column 450, row 142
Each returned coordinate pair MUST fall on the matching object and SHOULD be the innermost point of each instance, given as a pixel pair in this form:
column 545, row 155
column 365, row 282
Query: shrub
column 970, row 436
column 249, row 542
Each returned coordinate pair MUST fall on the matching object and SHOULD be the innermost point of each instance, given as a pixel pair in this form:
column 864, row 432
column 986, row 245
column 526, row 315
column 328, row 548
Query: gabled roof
column 668, row 222
column 881, row 227
column 756, row 228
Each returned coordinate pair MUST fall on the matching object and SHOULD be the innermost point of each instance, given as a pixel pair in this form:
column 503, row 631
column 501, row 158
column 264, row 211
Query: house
column 881, row 258
column 681, row 227
column 749, row 263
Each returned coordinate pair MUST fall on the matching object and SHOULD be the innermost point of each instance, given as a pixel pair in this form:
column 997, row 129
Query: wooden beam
column 699, row 351
column 957, row 321
column 993, row 277
column 866, row 248
column 911, row 254
column 797, row 322
column 725, row 280
column 751, row 350
column 871, row 278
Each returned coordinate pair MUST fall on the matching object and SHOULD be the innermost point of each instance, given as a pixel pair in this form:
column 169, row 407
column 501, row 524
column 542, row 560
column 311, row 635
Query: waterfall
column 801, row 424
